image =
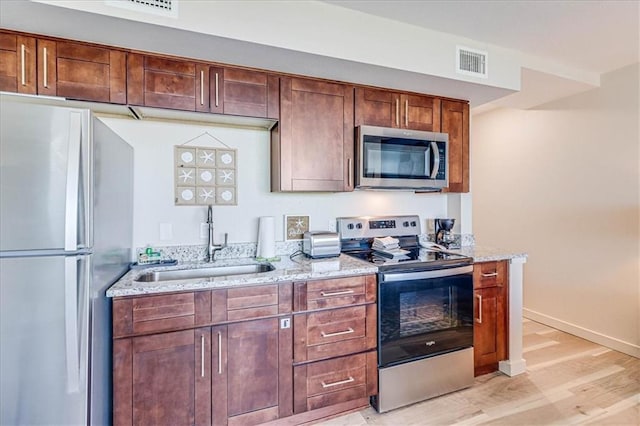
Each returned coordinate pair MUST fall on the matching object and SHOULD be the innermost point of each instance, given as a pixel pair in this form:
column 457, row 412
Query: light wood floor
column 568, row 381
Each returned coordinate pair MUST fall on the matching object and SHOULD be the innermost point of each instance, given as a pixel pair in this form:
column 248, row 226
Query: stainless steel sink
column 214, row 271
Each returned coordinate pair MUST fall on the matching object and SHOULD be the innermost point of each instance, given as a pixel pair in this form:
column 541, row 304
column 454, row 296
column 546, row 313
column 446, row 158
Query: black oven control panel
column 378, row 226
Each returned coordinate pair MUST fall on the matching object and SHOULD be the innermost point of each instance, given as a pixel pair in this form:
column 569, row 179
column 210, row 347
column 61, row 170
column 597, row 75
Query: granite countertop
column 487, row 254
column 299, row 269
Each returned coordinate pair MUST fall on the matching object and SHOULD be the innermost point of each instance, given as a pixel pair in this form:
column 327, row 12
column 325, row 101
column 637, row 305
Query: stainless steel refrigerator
column 65, row 237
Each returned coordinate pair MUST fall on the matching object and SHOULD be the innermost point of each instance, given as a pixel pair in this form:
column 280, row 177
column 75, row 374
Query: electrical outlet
column 204, row 231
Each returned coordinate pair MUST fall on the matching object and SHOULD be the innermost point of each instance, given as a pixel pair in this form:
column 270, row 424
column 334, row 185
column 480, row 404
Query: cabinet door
column 17, row 64
column 245, row 92
column 163, row 379
column 420, row 113
column 252, row 381
column 312, row 145
column 489, row 332
column 375, row 107
column 79, row 71
column 455, row 122
column 167, row 83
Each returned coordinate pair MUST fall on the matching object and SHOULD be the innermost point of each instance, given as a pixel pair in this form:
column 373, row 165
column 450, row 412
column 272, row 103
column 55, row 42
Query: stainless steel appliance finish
column 319, row 244
column 218, row 271
column 389, row 158
column 66, row 225
column 422, row 379
column 425, row 311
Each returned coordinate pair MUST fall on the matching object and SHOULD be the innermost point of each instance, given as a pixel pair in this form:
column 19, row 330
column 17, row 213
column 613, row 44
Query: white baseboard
column 576, row 330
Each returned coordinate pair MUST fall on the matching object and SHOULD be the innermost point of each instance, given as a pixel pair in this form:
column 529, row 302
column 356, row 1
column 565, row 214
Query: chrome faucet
column 211, row 247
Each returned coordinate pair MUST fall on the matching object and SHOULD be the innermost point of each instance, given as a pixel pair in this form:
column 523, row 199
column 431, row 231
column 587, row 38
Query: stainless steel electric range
column 425, row 309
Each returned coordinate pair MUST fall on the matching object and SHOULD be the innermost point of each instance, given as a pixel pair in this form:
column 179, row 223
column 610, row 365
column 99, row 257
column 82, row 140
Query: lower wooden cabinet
column 251, row 372
column 324, row 383
column 226, row 356
column 163, row 379
column 490, row 332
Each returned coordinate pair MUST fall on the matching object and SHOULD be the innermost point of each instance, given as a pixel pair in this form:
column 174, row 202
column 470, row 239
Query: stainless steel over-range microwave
column 389, row 158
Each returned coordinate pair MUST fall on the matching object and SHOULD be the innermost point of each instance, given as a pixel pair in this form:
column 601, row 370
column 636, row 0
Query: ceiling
column 581, row 35
column 596, row 36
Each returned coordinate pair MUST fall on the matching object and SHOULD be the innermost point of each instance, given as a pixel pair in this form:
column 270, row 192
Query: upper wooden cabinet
column 192, row 86
column 312, row 145
column 384, row 108
column 167, row 83
column 59, row 68
column 455, row 122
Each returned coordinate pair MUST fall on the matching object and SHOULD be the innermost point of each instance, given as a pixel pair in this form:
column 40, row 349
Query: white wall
column 562, row 183
column 153, row 143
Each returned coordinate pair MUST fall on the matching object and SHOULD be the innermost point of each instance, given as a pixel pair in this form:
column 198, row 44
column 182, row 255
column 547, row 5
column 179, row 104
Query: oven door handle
column 437, row 273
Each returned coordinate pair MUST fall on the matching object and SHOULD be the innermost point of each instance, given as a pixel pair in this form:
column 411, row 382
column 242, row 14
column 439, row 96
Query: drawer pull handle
column 406, row 113
column 45, row 81
column 202, row 355
column 341, row 382
column 337, row 333
column 493, row 274
column 336, row 293
column 23, row 65
column 217, row 89
column 201, row 87
column 479, row 319
column 219, row 353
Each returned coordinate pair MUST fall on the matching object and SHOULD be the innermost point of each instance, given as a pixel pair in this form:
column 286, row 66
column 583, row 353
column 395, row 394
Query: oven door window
column 395, row 158
column 421, row 318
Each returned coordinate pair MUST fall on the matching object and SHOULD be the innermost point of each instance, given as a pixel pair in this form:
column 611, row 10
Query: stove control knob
column 359, row 225
column 350, row 226
column 413, row 223
column 405, row 224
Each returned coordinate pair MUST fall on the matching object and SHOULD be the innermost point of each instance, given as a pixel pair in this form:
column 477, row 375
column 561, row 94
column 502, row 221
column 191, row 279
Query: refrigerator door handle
column 73, row 182
column 72, row 341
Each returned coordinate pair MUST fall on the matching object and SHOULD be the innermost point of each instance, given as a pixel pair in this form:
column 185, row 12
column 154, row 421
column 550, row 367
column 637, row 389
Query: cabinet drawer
column 237, row 304
column 335, row 332
column 335, row 293
column 490, row 274
column 323, row 383
column 149, row 314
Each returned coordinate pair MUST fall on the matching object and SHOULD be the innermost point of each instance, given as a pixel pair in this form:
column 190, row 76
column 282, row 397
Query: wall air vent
column 472, row 62
column 156, row 7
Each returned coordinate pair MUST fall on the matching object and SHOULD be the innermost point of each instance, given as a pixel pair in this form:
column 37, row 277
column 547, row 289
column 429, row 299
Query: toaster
column 318, row 244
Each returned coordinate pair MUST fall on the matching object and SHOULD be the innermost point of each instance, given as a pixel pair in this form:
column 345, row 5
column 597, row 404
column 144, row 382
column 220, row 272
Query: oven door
column 421, row 314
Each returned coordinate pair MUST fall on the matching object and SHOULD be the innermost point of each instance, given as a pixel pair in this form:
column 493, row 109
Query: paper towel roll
column 266, row 237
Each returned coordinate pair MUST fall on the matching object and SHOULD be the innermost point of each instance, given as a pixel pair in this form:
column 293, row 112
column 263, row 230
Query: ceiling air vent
column 157, row 7
column 472, row 62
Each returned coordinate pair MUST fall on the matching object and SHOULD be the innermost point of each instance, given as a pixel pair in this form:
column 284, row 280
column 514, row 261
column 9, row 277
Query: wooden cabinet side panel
column 122, row 382
column 372, row 373
column 282, row 156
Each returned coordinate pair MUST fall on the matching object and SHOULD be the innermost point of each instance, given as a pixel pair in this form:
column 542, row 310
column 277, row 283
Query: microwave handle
column 436, row 159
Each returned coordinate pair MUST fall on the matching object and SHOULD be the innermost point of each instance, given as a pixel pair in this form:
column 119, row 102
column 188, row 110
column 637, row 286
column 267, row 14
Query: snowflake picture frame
column 205, row 175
